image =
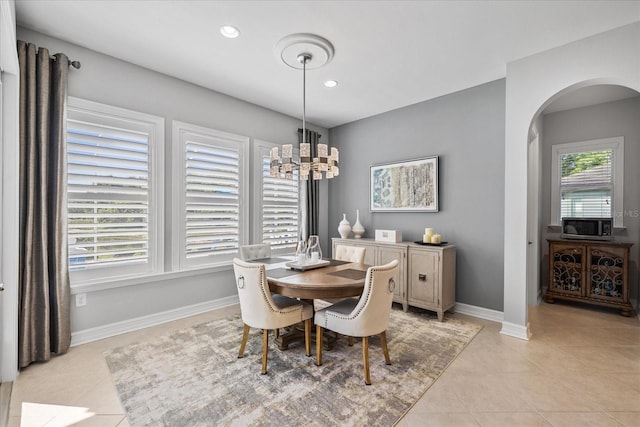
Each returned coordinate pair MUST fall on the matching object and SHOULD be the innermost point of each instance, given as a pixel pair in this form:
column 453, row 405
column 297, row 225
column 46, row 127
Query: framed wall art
column 409, row 186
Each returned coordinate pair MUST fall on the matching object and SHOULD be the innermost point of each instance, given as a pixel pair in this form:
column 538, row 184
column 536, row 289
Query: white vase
column 357, row 229
column 344, row 228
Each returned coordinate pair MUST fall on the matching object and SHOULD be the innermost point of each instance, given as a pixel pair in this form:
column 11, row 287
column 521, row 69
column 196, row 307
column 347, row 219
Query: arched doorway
column 579, row 113
column 532, row 84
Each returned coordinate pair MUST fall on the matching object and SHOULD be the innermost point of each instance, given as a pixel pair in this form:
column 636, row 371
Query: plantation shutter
column 280, row 209
column 212, row 203
column 587, row 183
column 108, row 195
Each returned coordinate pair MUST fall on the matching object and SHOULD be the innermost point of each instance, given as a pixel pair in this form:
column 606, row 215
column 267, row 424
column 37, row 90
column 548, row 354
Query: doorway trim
column 532, row 83
column 10, row 186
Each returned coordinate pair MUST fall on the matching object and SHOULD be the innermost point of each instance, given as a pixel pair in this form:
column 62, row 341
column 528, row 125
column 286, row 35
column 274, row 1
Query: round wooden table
column 335, row 281
column 338, row 281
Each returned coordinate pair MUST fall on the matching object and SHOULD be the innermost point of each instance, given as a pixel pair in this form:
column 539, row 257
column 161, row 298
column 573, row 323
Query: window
column 210, row 209
column 115, row 191
column 278, row 204
column 587, row 180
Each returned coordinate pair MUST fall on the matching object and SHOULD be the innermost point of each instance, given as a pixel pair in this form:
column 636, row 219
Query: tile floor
column 581, row 368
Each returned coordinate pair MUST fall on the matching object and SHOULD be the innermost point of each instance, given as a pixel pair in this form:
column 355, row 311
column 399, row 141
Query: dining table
column 335, row 280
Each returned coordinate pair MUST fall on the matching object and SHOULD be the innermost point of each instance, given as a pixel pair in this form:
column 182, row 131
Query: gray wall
column 108, row 80
column 466, row 130
column 620, row 118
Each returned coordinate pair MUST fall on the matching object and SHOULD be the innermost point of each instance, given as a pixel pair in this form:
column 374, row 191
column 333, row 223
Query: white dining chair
column 257, row 251
column 362, row 318
column 260, row 309
column 350, row 253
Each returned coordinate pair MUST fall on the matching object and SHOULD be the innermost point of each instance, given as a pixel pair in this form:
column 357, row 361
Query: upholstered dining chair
column 350, row 253
column 260, row 309
column 257, row 251
column 362, row 318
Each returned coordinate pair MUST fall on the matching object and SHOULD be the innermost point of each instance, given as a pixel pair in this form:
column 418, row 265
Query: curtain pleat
column 311, row 202
column 44, row 290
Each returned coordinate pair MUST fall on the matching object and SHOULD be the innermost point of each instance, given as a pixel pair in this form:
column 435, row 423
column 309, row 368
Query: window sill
column 123, row 281
column 557, row 228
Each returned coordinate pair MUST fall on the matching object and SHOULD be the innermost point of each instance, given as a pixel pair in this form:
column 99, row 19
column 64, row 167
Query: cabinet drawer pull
column 422, row 277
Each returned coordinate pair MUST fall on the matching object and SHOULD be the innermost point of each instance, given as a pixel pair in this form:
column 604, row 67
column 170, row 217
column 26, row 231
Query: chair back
column 371, row 315
column 257, row 251
column 350, row 253
column 256, row 304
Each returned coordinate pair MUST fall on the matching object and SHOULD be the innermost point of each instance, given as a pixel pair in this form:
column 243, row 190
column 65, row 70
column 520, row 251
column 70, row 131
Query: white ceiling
column 388, row 54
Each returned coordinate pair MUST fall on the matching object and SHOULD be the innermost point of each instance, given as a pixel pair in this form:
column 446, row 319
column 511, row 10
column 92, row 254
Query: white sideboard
column 426, row 274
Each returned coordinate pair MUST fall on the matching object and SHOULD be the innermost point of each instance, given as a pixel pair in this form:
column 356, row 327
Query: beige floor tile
column 97, row 393
column 39, row 414
column 547, row 393
column 627, row 419
column 551, row 358
column 510, row 419
column 463, row 419
column 441, row 397
column 487, row 393
column 491, row 338
column 616, row 336
column 582, row 419
column 614, row 358
column 481, row 360
column 101, row 421
column 579, row 363
column 610, row 392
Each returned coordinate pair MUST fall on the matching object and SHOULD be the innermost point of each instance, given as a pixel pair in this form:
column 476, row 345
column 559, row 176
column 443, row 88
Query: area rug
column 193, row 377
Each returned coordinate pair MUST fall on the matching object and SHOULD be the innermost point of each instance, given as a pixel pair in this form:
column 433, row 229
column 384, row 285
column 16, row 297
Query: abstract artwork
column 410, row 185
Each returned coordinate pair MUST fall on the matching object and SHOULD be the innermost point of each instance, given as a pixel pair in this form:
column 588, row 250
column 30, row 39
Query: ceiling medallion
column 304, row 51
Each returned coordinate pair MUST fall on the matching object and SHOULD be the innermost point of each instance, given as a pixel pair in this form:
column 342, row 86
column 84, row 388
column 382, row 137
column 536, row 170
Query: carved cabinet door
column 607, row 271
column 568, row 262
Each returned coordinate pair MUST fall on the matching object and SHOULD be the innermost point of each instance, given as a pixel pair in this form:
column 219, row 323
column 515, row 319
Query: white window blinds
column 212, row 199
column 587, row 180
column 586, row 185
column 280, row 209
column 108, row 195
column 209, row 186
column 114, row 196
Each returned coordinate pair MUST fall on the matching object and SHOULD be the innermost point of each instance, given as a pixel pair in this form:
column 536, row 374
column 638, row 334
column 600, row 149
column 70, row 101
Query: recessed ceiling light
column 229, row 31
column 331, row 83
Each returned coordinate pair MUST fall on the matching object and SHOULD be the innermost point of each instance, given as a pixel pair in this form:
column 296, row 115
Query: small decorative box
column 393, row 236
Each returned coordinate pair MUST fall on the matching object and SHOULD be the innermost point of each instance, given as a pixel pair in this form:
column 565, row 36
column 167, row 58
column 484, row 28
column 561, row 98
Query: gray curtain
column 311, row 204
column 44, row 292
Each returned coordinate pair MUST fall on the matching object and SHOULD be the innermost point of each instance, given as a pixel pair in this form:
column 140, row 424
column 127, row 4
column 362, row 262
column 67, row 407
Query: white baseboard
column 112, row 329
column 516, row 331
column 480, row 312
column 5, row 399
column 508, row 328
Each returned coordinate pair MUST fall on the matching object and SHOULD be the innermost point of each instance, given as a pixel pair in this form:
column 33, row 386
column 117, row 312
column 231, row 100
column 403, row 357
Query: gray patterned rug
column 192, row 377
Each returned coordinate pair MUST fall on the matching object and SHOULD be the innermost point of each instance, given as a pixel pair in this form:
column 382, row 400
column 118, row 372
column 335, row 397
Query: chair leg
column 307, row 337
column 318, row 345
column 245, row 335
column 265, row 349
column 365, row 360
column 385, row 350
column 350, row 341
column 277, row 333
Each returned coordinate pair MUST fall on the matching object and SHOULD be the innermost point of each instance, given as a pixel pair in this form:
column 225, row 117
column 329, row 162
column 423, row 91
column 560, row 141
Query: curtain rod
column 74, row 64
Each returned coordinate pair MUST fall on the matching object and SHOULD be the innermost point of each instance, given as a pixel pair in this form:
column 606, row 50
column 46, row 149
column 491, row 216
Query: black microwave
column 587, row 228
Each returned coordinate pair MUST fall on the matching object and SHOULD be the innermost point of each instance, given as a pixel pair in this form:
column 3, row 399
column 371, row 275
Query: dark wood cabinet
column 590, row 271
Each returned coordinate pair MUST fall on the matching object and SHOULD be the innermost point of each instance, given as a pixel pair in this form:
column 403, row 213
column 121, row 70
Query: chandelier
column 304, row 51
